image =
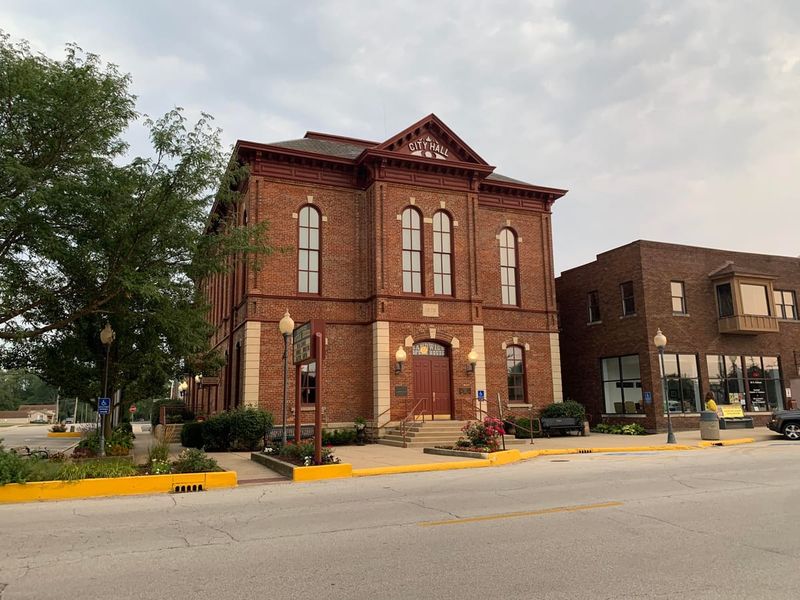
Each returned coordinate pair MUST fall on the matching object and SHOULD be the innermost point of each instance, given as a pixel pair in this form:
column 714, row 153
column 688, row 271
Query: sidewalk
column 378, row 455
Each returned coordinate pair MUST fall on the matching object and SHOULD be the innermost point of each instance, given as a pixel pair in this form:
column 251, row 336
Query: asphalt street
column 34, row 436
column 716, row 523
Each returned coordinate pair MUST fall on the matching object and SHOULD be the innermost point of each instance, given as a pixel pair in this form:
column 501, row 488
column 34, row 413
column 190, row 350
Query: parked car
column 787, row 423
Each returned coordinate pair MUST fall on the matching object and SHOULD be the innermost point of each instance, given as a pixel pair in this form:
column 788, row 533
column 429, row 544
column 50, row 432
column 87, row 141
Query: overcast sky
column 674, row 121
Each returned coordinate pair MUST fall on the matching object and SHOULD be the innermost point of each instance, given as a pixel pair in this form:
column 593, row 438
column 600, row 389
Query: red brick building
column 730, row 318
column 412, row 243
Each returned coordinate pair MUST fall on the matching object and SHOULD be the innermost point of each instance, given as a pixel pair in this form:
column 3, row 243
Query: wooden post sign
column 308, row 346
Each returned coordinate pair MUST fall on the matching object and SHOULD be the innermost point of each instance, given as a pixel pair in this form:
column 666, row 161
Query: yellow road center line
column 527, row 513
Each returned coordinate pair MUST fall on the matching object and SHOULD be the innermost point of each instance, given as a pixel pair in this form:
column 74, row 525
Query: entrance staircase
column 421, row 434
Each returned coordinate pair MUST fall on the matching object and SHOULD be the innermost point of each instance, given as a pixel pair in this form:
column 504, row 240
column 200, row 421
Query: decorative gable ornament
column 428, row 147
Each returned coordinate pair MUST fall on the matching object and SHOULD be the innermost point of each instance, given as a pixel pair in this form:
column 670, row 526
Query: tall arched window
column 442, row 254
column 412, row 251
column 508, row 266
column 515, row 367
column 308, row 258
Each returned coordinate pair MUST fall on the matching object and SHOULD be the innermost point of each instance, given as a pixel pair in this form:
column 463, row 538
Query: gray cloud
column 666, row 119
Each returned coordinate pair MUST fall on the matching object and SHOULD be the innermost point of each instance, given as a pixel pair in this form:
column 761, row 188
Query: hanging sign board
column 303, row 341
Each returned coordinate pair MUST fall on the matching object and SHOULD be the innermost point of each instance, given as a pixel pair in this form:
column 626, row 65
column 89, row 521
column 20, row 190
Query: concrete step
column 423, row 438
column 411, row 444
column 433, row 430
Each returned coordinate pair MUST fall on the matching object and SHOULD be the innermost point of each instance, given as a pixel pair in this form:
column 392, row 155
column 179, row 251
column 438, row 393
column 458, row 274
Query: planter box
column 115, row 486
column 296, row 473
column 462, row 453
column 64, row 434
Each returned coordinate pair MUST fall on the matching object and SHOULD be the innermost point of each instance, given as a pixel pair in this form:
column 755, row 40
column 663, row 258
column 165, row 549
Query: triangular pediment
column 431, row 138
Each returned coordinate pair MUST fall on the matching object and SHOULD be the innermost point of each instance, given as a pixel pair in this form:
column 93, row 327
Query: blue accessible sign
column 103, row 406
column 648, row 398
column 481, row 394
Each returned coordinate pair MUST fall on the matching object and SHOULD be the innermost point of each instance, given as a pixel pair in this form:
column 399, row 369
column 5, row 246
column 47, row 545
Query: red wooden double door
column 432, row 380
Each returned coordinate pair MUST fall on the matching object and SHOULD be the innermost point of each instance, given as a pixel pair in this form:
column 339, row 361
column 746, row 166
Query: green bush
column 568, row 408
column 240, row 429
column 12, row 467
column 217, row 432
column 126, row 427
column 192, row 434
column 158, row 452
column 338, row 437
column 523, row 429
column 95, row 469
column 193, row 460
column 249, row 427
column 629, row 429
column 305, row 453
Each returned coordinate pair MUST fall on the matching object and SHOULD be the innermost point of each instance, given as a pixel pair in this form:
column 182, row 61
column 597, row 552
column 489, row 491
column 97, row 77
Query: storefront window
column 754, row 382
column 683, row 387
column 622, row 385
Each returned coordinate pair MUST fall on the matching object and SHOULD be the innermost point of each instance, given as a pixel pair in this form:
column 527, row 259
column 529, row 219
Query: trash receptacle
column 709, row 425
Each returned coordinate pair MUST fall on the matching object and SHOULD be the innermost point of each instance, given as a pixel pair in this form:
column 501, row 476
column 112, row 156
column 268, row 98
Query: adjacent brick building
column 730, row 318
column 412, row 243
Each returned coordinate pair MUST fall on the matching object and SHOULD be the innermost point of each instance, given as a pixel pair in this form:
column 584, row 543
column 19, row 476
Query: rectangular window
column 785, row 304
column 622, row 385
column 594, row 307
column 678, row 297
column 628, row 305
column 754, row 299
column 725, row 300
column 682, row 383
column 308, row 383
column 754, row 382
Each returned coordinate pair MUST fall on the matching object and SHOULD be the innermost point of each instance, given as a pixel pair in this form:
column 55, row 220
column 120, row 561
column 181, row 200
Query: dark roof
column 13, row 414
column 33, row 407
column 352, row 151
column 325, row 147
column 729, row 268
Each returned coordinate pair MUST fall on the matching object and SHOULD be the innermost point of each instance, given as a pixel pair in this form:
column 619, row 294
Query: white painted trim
column 381, row 371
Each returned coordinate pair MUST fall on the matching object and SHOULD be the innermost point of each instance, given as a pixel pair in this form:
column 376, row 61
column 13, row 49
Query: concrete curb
column 116, row 486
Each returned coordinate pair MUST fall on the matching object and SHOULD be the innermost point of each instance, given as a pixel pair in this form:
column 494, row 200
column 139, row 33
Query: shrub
column 629, row 429
column 305, row 453
column 338, row 437
column 89, row 444
column 126, row 427
column 568, row 408
column 120, row 437
column 249, row 427
column 523, row 429
column 633, row 429
column 95, row 469
column 217, row 432
column 193, row 460
column 486, row 434
column 12, row 467
column 158, row 452
column 159, row 467
column 192, row 434
column 58, row 428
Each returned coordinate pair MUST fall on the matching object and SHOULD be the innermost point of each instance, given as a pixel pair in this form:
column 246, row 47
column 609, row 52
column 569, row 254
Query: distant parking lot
column 34, row 436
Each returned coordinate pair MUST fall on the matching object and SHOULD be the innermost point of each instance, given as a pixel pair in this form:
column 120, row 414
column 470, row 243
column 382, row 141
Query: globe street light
column 399, row 359
column 660, row 340
column 286, row 327
column 472, row 359
column 106, row 337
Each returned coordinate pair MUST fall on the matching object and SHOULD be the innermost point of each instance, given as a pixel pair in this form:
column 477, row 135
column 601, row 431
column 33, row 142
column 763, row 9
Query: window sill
column 680, row 314
column 630, row 316
column 519, row 405
column 590, row 323
column 307, row 408
column 682, row 414
column 789, row 320
column 625, row 415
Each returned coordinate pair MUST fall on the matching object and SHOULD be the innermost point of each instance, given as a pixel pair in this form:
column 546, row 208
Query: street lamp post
column 660, row 340
column 286, row 327
column 106, row 337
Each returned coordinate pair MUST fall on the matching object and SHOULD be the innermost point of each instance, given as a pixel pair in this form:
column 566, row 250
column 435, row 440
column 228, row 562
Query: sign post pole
column 318, row 404
column 297, row 396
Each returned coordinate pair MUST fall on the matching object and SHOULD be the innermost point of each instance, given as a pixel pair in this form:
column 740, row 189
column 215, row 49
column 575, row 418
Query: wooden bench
column 563, row 425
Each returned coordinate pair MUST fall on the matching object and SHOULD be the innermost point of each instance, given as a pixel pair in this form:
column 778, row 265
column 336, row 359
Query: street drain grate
column 197, row 487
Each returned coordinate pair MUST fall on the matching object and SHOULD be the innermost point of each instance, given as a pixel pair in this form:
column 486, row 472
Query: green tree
column 87, row 236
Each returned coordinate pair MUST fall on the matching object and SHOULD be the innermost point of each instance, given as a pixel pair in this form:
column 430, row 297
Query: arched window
column 442, row 255
column 412, row 251
column 515, row 367
column 308, row 258
column 508, row 266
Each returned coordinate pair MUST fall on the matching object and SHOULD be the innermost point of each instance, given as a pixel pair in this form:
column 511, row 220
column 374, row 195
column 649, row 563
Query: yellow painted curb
column 322, row 472
column 64, row 434
column 504, row 457
column 426, row 467
column 114, row 486
column 735, row 442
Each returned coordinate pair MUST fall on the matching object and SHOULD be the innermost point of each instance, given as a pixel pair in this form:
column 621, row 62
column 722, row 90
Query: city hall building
column 731, row 322
column 413, row 246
